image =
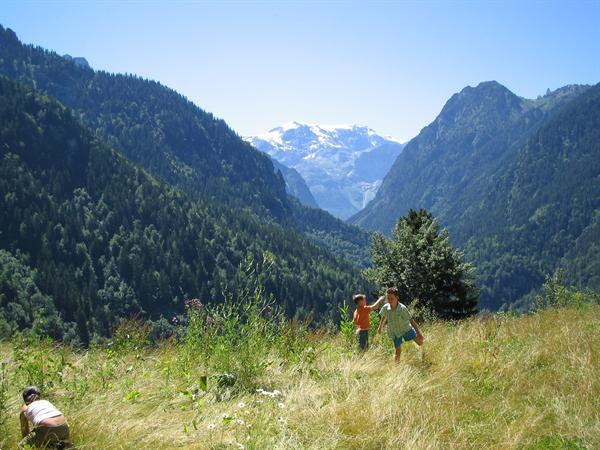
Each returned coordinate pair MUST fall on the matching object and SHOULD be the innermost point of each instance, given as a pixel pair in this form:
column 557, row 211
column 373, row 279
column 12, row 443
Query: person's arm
column 24, row 421
column 377, row 304
column 420, row 338
column 381, row 322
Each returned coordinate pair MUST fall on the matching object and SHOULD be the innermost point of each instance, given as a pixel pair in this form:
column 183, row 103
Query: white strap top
column 41, row 410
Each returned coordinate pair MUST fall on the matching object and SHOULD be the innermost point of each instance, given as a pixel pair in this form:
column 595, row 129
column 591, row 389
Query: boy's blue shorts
column 408, row 336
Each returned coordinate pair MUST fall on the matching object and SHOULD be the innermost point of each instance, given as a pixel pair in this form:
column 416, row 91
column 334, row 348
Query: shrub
column 557, row 294
column 236, row 337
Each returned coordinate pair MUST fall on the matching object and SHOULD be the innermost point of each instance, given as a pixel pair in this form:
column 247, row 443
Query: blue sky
column 389, row 65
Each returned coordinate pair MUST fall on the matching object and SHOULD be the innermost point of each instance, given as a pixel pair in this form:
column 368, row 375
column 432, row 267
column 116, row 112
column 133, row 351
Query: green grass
column 526, row 382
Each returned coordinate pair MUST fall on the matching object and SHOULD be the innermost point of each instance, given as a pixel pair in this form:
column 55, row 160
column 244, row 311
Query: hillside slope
column 154, row 126
column 95, row 238
column 525, row 382
column 485, row 165
column 172, row 138
column 478, row 130
column 545, row 208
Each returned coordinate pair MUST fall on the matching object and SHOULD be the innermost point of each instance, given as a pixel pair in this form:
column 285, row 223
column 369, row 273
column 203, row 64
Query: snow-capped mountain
column 343, row 165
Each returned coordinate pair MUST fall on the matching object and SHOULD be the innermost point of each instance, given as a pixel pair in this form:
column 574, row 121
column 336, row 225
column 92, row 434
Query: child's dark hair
column 357, row 298
column 393, row 290
column 31, row 394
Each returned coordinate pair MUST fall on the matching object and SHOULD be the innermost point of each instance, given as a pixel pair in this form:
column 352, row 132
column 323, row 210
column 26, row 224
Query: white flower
column 241, row 405
column 281, row 405
column 225, row 416
column 275, row 393
column 239, row 421
column 240, row 446
column 211, row 426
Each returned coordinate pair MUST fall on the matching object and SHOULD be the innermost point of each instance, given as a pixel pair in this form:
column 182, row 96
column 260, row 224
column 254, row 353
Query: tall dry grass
column 528, row 382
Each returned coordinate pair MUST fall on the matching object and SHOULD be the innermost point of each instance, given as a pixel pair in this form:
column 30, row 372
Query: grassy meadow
column 505, row 382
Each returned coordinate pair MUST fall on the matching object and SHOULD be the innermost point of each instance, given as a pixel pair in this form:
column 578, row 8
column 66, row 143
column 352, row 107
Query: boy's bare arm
column 378, row 303
column 381, row 322
column 420, row 336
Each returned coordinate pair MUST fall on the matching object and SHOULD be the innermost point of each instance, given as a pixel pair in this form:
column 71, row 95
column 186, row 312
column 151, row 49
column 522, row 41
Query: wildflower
column 240, row 446
column 281, row 405
column 239, row 421
column 280, row 420
column 275, row 393
column 211, row 426
column 241, row 405
column 195, row 304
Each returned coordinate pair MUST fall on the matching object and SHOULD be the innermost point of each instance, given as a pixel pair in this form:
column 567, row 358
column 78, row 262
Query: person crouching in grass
column 51, row 429
column 362, row 321
column 401, row 327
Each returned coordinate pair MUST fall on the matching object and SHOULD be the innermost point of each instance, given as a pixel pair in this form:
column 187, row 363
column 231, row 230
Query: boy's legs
column 363, row 339
column 398, row 352
column 398, row 348
column 410, row 335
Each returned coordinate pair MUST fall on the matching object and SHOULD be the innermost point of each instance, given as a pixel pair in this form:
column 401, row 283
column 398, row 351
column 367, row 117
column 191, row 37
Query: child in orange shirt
column 362, row 321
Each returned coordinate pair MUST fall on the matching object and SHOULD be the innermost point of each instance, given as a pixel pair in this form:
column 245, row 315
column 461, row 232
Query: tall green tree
column 420, row 261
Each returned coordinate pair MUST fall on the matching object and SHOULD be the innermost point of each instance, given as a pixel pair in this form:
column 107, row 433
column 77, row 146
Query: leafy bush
column 235, row 339
column 38, row 361
column 346, row 323
column 557, row 294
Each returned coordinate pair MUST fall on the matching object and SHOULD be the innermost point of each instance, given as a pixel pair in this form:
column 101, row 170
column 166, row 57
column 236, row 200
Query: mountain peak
column 8, row 37
column 343, row 164
column 326, row 134
column 490, row 84
column 488, row 99
column 486, row 88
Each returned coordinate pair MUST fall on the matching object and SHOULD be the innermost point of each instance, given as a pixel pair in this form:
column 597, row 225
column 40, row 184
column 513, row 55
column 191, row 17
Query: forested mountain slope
column 154, row 126
column 87, row 237
column 475, row 169
column 172, row 138
column 547, row 208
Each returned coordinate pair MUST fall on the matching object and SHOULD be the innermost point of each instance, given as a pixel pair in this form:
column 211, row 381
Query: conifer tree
column 420, row 261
